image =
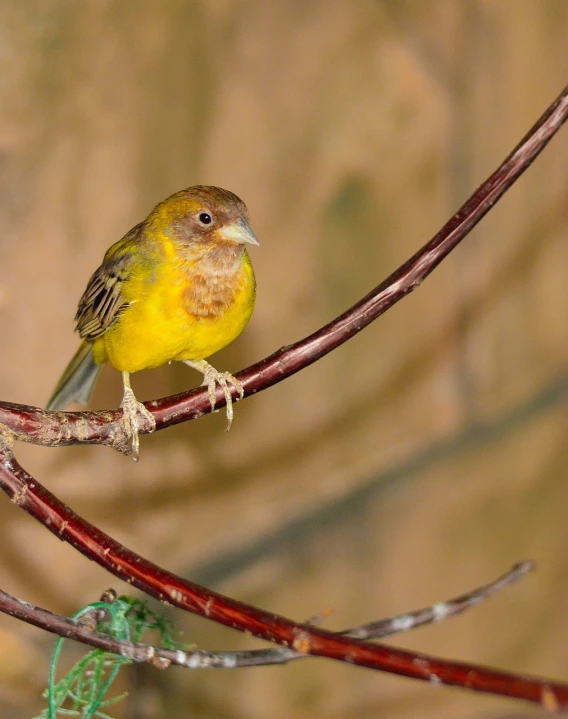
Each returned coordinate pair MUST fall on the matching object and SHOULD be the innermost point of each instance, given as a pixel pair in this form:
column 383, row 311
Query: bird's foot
column 212, row 378
column 132, row 408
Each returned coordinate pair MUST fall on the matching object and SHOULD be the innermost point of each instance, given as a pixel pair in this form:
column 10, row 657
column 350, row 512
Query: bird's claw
column 212, row 378
column 131, row 408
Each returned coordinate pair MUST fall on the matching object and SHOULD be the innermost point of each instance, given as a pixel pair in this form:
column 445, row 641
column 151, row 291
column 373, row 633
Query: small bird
column 178, row 286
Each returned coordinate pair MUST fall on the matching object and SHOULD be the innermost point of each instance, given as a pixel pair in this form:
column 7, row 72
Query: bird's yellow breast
column 177, row 311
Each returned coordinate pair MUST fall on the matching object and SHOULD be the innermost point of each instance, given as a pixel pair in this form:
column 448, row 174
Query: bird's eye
column 205, row 218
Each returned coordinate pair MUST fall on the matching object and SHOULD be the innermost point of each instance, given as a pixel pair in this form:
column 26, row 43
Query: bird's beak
column 239, row 231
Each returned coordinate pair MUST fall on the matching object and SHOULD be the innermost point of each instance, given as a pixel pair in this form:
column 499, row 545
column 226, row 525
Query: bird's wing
column 102, row 302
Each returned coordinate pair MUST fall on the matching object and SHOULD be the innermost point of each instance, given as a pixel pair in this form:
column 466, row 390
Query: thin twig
column 441, row 610
column 199, row 659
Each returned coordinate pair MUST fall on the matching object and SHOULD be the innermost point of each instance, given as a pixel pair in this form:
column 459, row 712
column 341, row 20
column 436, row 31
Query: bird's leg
column 212, row 378
column 131, row 407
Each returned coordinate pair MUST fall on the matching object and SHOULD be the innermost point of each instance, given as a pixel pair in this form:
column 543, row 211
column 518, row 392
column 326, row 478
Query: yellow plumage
column 157, row 327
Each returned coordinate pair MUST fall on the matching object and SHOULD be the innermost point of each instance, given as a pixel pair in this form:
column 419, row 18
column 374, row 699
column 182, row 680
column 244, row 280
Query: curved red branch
column 62, row 428
column 125, row 564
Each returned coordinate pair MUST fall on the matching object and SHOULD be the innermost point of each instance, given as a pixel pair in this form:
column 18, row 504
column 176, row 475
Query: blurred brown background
column 419, row 460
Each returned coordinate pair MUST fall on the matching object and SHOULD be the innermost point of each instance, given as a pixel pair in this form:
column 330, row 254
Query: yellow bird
column 178, row 286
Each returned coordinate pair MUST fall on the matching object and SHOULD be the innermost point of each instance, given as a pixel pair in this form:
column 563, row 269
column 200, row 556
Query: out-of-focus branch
column 200, row 659
column 125, row 564
column 31, row 424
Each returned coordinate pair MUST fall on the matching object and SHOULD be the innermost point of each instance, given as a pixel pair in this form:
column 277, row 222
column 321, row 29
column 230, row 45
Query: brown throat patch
column 213, row 283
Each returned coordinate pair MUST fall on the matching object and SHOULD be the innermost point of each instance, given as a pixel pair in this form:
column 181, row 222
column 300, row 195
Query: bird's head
column 203, row 217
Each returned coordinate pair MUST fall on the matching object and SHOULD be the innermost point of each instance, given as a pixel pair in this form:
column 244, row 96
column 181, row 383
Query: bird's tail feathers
column 78, row 380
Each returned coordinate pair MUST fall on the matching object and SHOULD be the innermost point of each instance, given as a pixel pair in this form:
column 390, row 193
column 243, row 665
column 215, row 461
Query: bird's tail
column 78, row 380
